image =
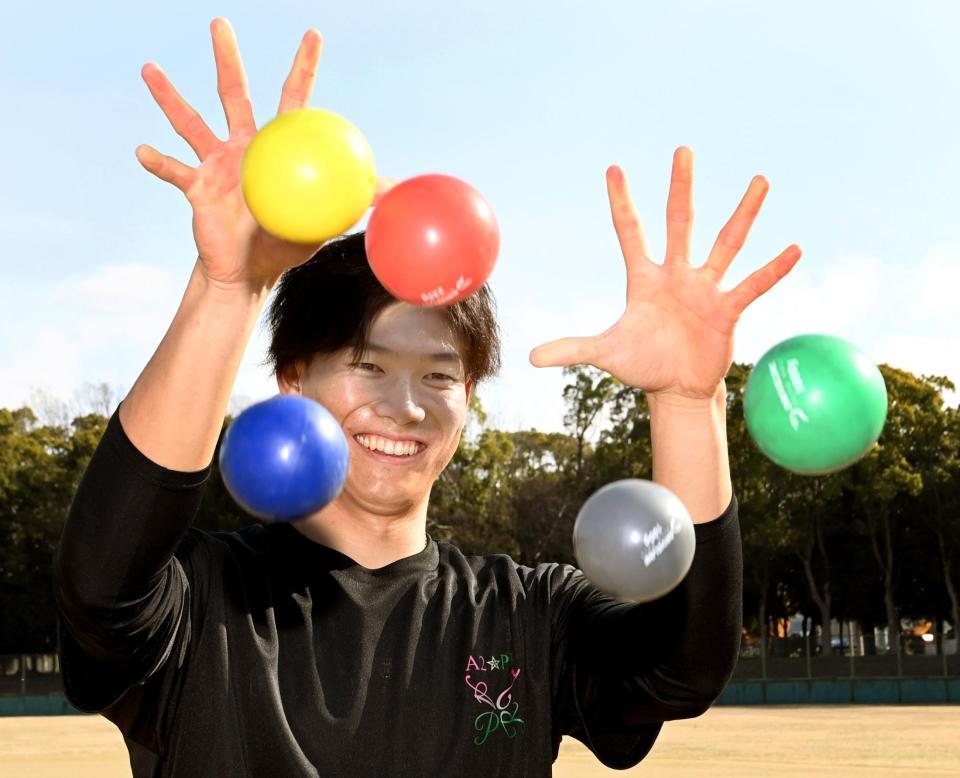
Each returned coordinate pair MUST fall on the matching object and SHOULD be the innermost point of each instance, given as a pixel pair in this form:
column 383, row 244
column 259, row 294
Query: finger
column 383, row 186
column 231, row 79
column 166, row 168
column 185, row 120
column 626, row 222
column 680, row 207
column 299, row 84
column 761, row 281
column 735, row 231
column 565, row 351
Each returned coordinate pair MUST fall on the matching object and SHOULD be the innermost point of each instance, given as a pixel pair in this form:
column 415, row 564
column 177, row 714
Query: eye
column 367, row 367
column 440, row 377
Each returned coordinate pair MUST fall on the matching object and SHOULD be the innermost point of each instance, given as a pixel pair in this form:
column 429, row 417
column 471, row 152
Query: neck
column 369, row 538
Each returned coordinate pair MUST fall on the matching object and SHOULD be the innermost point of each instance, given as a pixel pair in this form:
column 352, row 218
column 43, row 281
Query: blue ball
column 284, row 458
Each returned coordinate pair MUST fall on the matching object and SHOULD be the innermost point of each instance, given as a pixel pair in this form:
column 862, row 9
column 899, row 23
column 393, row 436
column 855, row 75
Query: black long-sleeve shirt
column 263, row 653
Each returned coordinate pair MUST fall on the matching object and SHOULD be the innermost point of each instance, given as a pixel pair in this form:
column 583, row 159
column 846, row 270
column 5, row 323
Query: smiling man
column 396, row 376
column 351, row 643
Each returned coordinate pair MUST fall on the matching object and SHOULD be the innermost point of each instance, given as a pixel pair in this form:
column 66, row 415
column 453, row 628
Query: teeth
column 386, row 446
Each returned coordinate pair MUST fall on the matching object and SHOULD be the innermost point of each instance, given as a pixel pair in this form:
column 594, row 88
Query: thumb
column 565, row 351
column 165, row 168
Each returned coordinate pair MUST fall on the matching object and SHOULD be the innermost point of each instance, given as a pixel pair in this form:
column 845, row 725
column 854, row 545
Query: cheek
column 451, row 408
column 342, row 398
column 451, row 415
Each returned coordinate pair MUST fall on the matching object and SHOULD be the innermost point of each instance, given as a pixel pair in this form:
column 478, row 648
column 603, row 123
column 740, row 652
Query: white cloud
column 99, row 327
column 131, row 289
column 901, row 313
column 838, row 298
column 904, row 314
column 525, row 396
column 105, row 326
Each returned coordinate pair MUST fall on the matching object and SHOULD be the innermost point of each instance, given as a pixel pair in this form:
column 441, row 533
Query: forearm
column 112, row 570
column 670, row 658
column 699, row 625
column 690, row 457
column 175, row 410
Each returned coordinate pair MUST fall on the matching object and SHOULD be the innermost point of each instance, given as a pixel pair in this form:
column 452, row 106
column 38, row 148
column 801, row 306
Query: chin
column 387, row 501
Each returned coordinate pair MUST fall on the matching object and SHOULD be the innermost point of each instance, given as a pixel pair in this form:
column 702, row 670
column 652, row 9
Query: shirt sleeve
column 123, row 573
column 628, row 667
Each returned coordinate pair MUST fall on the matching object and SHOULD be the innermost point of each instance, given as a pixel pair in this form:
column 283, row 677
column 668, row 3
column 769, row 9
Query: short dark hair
column 328, row 303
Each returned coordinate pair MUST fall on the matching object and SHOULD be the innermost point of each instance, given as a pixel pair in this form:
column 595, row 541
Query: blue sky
column 849, row 109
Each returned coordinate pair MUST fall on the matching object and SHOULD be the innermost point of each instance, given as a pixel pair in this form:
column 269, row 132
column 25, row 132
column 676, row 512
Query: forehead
column 407, row 328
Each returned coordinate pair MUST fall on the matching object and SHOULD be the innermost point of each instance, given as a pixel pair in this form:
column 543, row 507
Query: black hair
column 328, row 303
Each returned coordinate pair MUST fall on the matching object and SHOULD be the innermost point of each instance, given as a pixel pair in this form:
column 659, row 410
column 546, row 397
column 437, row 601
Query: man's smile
column 406, row 448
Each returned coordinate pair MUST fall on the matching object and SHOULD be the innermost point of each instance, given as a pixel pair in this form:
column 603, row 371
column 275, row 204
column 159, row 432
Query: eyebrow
column 439, row 356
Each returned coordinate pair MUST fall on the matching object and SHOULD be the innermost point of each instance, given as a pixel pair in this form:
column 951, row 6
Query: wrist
column 674, row 402
column 688, row 438
column 242, row 293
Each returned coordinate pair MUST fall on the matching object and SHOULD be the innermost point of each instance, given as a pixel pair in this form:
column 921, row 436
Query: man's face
column 402, row 405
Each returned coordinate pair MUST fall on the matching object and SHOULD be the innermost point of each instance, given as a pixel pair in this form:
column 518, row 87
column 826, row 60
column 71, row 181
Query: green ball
column 815, row 404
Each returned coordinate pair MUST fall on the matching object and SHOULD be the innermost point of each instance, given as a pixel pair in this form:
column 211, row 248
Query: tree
column 755, row 481
column 546, row 496
column 586, row 397
column 810, row 508
column 623, row 449
column 936, row 453
column 886, row 478
column 470, row 502
column 40, row 469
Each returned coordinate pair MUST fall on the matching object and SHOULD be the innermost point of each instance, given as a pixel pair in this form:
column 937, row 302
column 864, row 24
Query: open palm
column 233, row 248
column 676, row 335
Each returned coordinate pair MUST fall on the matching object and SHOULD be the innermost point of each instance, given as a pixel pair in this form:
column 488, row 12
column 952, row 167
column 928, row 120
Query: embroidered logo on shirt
column 503, row 709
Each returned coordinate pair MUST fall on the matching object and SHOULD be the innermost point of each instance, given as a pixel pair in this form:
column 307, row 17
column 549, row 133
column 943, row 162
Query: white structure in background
column 842, row 637
column 849, row 633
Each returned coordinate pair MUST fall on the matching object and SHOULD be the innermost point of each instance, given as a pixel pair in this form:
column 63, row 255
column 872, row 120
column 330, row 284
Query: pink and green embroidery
column 503, row 712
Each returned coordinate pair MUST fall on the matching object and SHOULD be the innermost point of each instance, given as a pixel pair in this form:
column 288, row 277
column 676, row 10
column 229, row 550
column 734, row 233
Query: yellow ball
column 308, row 176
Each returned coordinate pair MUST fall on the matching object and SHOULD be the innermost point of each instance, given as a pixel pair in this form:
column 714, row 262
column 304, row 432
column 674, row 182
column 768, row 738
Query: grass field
column 781, row 742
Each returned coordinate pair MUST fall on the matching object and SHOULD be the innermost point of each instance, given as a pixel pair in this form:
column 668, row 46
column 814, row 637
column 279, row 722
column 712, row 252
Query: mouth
column 389, row 450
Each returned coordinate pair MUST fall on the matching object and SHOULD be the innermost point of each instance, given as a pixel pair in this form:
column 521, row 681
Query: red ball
column 432, row 240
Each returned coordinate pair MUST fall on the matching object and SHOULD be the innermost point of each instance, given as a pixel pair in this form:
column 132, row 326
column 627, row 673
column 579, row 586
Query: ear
column 469, row 387
column 288, row 379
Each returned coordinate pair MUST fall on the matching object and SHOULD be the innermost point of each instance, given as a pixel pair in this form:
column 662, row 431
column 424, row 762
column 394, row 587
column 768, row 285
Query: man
column 350, row 642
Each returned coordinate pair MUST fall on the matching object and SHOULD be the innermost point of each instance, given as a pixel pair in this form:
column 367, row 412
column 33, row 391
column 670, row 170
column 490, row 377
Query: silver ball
column 634, row 539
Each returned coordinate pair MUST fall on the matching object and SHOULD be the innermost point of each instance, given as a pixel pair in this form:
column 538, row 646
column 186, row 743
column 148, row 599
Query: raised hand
column 676, row 336
column 233, row 249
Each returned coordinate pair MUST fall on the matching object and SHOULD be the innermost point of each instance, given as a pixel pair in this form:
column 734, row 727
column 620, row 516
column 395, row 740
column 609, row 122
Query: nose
column 399, row 404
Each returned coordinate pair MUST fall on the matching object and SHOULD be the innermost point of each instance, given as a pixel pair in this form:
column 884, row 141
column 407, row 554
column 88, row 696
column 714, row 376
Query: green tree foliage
column 40, row 469
column 586, row 396
column 885, row 485
column 757, row 507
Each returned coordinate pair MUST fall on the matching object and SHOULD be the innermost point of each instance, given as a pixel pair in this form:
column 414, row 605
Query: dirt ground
column 781, row 742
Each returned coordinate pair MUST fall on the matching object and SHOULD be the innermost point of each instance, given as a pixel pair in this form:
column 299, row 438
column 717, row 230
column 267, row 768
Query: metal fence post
column 942, row 647
column 853, row 666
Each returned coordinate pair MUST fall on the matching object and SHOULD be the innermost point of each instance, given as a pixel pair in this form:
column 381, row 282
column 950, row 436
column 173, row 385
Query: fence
column 869, row 666
column 791, row 675
column 28, row 674
column 31, row 684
